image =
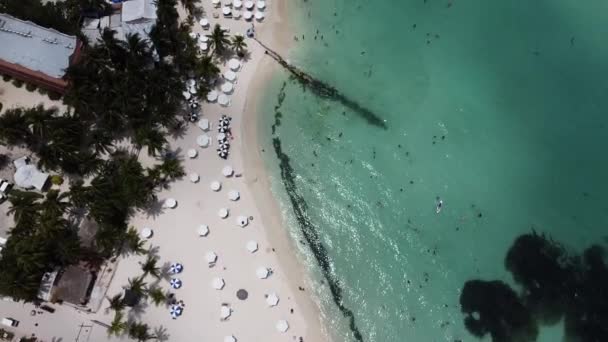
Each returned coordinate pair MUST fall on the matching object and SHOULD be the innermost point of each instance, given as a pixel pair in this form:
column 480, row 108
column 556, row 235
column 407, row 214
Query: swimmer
column 439, row 205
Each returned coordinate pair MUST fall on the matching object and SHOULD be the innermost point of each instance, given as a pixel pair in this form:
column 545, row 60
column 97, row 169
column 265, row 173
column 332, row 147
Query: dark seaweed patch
column 555, row 285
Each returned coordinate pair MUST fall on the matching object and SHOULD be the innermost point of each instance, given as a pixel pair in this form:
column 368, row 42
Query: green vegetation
column 238, row 45
column 41, row 240
column 18, row 83
column 219, row 41
column 30, row 87
column 6, row 78
column 56, row 180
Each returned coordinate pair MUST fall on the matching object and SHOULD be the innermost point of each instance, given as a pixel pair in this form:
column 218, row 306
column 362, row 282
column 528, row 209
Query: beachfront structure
column 130, row 17
column 36, row 54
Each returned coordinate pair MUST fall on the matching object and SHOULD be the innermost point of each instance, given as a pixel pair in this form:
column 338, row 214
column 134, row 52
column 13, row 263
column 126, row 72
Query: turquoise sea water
column 497, row 107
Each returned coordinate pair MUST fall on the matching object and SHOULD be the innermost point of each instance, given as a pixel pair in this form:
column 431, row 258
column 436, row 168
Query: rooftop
column 34, row 47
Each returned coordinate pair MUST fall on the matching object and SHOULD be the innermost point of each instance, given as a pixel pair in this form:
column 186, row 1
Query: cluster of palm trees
column 41, row 240
column 138, row 288
column 220, row 42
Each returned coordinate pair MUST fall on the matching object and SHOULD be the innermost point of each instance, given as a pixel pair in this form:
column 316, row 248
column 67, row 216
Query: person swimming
column 438, row 205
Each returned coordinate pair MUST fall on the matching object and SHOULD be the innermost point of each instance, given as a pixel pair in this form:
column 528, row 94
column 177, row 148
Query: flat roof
column 35, row 47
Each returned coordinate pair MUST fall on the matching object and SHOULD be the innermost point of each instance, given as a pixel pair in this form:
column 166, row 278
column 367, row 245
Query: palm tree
column 157, row 295
column 13, row 127
column 24, row 204
column 134, row 242
column 137, row 286
column 150, row 266
column 239, row 45
column 206, row 69
column 140, row 332
column 172, row 168
column 117, row 303
column 189, row 6
column 118, row 326
column 218, row 40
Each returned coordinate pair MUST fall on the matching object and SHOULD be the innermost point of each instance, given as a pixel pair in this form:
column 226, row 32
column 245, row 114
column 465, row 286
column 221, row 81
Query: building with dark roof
column 36, row 54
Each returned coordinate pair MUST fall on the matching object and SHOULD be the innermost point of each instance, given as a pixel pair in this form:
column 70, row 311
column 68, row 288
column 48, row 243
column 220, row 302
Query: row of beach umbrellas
column 261, row 4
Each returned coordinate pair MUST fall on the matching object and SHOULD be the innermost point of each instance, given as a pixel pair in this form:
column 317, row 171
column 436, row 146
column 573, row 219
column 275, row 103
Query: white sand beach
column 176, row 237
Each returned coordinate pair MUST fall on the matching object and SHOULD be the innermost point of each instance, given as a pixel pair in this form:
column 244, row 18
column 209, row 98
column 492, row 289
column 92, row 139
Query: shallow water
column 496, row 107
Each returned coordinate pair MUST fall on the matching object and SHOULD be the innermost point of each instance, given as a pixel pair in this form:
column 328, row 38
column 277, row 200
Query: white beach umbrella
column 234, row 64
column 226, row 11
column 203, row 140
column 272, row 299
column 221, row 136
column 170, row 203
column 227, row 171
column 242, row 221
column 234, row 195
column 227, row 87
column 203, row 39
column 146, row 233
column 249, row 4
column 203, row 124
column 261, row 5
column 227, row 2
column 262, row 272
column 215, row 186
column 192, row 153
column 203, row 230
column 192, row 35
column 252, row 246
column 192, row 89
column 223, row 100
column 216, row 3
column 229, row 76
column 203, row 46
column 236, row 14
column 211, row 257
column 237, row 3
column 282, row 326
column 212, row 96
column 259, row 16
column 194, row 177
column 218, row 283
column 230, row 339
column 247, row 15
column 225, row 312
column 223, row 213
column 204, row 22
column 187, row 95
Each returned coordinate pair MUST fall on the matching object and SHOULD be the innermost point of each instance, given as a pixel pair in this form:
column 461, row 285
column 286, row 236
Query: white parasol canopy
column 221, row 136
column 223, row 213
column 203, row 230
column 215, row 186
column 247, row 15
column 234, row 195
column 204, row 124
column 252, row 246
column 249, row 4
column 218, row 283
column 230, row 339
column 237, row 3
column 194, row 177
column 192, row 153
column 234, row 64
column 204, row 22
column 216, row 3
column 203, row 46
column 227, row 171
column 212, row 96
column 282, row 326
column 223, row 100
column 225, row 312
column 211, row 257
column 261, row 5
column 192, row 89
column 170, row 203
column 236, row 14
column 226, row 11
column 227, row 87
column 229, row 75
column 146, row 233
column 262, row 273
column 203, row 39
column 203, row 140
column 28, row 176
column 242, row 221
column 187, row 95
column 259, row 16
column 272, row 299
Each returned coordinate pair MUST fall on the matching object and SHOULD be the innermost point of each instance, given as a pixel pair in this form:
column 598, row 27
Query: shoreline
column 257, row 176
